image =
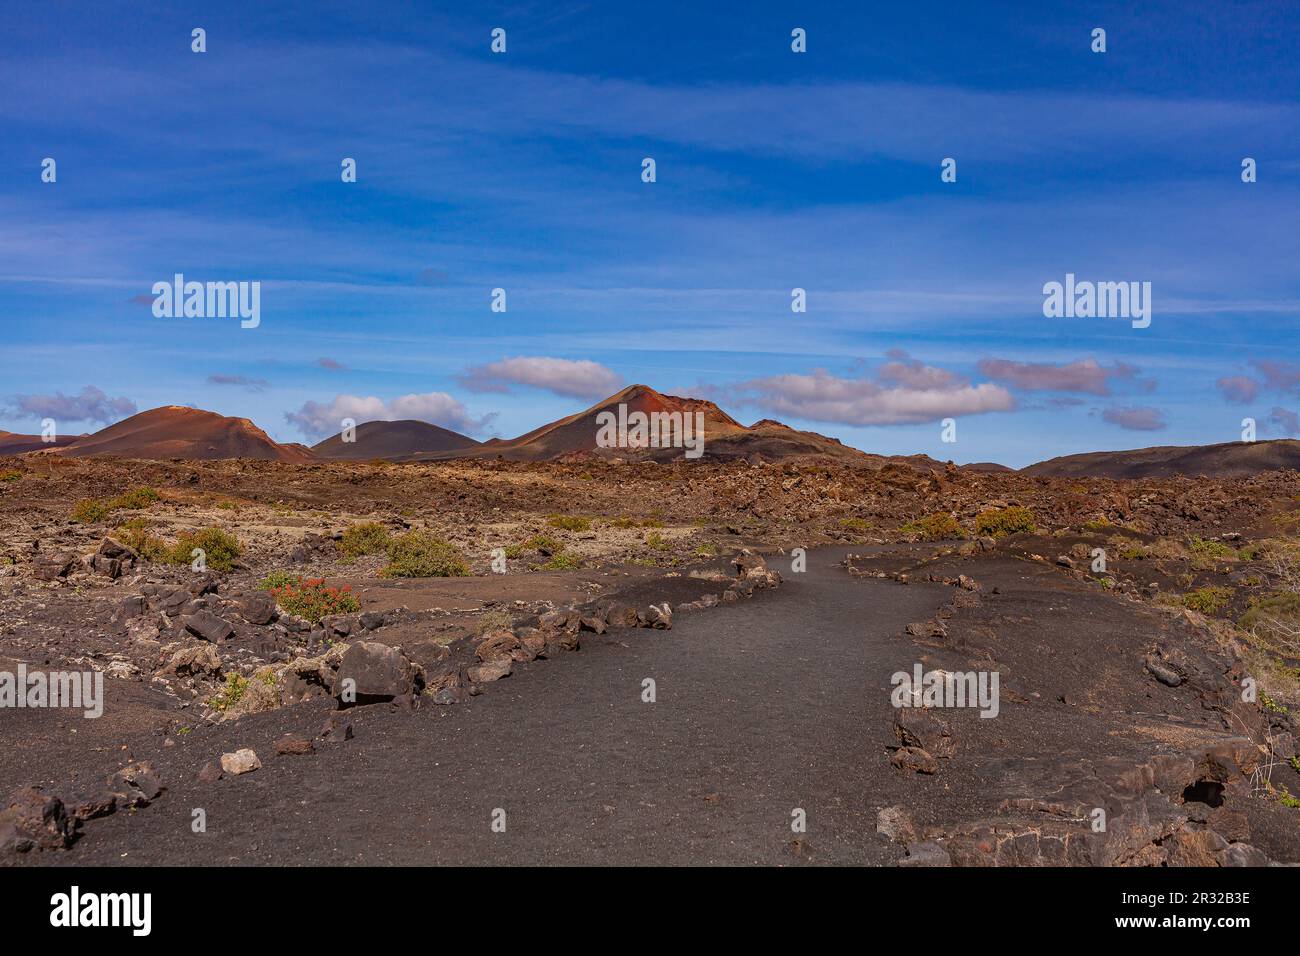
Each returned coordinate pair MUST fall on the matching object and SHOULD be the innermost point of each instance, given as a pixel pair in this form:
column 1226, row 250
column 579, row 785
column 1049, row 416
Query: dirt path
column 762, row 707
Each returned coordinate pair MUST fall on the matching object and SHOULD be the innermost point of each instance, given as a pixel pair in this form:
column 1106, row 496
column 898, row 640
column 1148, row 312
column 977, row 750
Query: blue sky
column 775, row 170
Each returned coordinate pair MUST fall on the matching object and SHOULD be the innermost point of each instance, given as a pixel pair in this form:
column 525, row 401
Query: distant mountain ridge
column 176, row 431
column 1226, row 460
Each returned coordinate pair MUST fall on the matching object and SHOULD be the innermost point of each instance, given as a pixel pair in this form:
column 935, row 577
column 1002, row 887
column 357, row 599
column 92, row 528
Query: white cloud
column 911, row 393
column 92, row 405
column 317, row 420
column 577, row 379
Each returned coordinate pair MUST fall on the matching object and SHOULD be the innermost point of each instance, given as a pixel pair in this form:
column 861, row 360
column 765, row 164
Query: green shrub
column 312, row 599
column 569, row 522
column 135, row 535
column 231, row 694
column 135, row 499
column 657, row 541
column 368, row 538
column 10, row 475
column 89, row 511
column 278, row 579
column 1207, row 600
column 707, row 550
column 626, row 522
column 220, row 548
column 564, row 561
column 419, row 554
column 934, row 527
column 998, row 523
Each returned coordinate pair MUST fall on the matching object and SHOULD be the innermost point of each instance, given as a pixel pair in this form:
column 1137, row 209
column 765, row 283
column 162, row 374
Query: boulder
column 496, row 645
column 293, row 745
column 50, row 567
column 920, row 728
column 35, row 820
column 258, row 608
column 490, row 671
column 239, row 762
column 206, row 625
column 377, row 672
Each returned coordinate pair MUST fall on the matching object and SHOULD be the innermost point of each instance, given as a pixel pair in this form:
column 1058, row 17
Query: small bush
column 368, row 538
column 231, row 694
column 89, row 511
column 707, row 550
column 135, row 499
column 626, row 522
column 220, row 548
column 10, row 475
column 1207, row 600
column 312, row 599
column 934, row 527
column 998, row 523
column 564, row 561
column 135, row 535
column 419, row 554
column 278, row 579
column 569, row 522
column 657, row 541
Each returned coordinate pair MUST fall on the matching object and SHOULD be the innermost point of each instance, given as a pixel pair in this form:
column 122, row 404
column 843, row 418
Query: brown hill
column 175, row 431
column 14, row 444
column 724, row 437
column 393, row 440
column 1228, row 460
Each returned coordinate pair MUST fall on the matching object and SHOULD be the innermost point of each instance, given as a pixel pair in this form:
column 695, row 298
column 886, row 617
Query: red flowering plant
column 312, row 599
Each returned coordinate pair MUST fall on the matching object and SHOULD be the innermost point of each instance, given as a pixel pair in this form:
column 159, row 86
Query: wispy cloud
column 1140, row 418
column 91, row 405
column 1087, row 376
column 904, row 392
column 243, row 381
column 568, row 377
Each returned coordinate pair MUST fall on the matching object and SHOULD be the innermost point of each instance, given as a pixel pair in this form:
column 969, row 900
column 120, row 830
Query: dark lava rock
column 209, row 627
column 376, row 672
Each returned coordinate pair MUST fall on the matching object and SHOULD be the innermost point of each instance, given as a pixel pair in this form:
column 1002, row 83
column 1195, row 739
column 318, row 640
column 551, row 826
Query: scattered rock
column 241, row 761
column 293, row 745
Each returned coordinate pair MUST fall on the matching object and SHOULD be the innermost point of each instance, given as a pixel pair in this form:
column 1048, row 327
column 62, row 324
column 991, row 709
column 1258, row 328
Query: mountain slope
column 393, row 440
column 175, row 431
column 1228, row 460
column 14, row 444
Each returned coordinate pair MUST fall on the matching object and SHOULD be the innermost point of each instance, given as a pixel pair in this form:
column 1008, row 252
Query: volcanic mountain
column 724, row 437
column 1228, row 460
column 12, row 444
column 175, row 431
column 393, row 441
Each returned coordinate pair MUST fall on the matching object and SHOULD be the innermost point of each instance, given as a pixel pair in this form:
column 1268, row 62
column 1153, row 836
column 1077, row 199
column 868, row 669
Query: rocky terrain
column 222, row 599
